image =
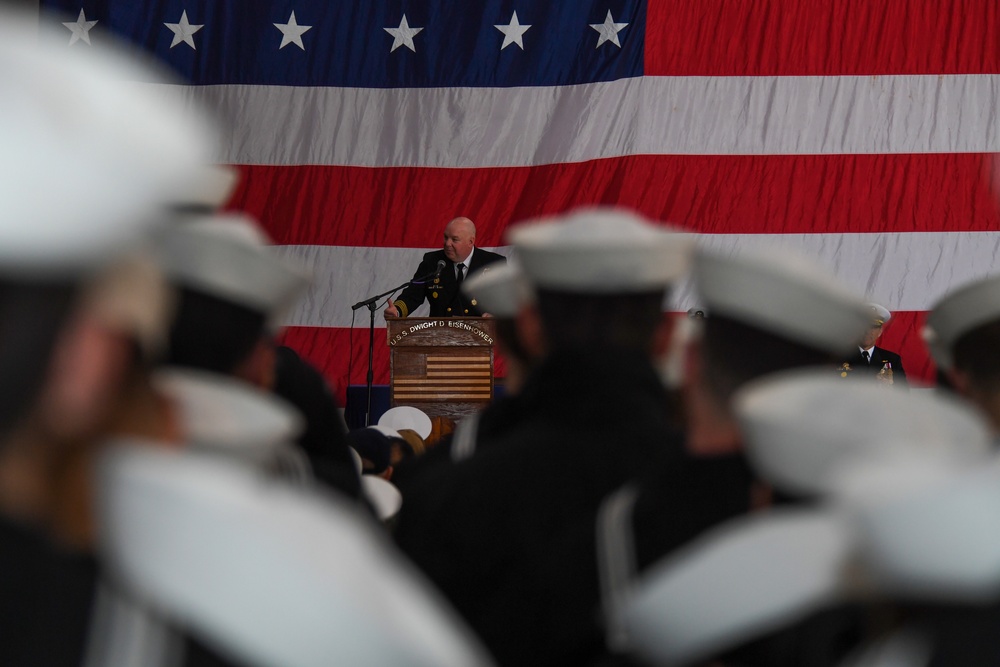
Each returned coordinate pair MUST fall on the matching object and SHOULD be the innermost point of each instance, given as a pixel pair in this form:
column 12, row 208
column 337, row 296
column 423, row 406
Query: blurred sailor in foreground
column 766, row 312
column 794, row 585
column 154, row 507
column 796, row 437
column 925, row 527
column 217, row 562
column 184, row 407
column 234, row 290
column 508, row 533
column 88, row 161
column 915, row 477
column 963, row 335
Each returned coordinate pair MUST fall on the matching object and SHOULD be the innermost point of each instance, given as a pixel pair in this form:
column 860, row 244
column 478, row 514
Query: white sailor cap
column 208, row 188
column 228, row 256
column 800, row 427
column 785, row 294
column 880, row 314
column 958, row 313
column 226, row 414
column 601, row 251
column 89, row 158
column 926, row 528
column 745, row 579
column 383, row 495
column 407, row 416
column 316, row 582
column 501, row 290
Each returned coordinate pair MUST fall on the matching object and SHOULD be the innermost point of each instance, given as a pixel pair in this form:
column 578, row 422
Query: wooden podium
column 444, row 366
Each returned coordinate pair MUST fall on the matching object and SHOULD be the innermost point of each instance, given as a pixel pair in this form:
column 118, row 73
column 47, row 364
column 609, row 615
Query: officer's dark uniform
column 445, row 297
column 880, row 357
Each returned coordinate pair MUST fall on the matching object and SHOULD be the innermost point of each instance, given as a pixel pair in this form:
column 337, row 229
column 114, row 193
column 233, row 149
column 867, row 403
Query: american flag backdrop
column 857, row 131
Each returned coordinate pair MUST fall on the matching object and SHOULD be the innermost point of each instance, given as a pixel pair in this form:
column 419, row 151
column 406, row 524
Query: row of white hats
column 910, row 497
column 608, row 250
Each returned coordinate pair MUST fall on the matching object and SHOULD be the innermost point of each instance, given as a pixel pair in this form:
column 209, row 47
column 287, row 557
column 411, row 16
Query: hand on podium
column 390, row 311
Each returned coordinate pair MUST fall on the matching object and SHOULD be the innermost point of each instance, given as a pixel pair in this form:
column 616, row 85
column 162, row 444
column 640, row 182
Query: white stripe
column 905, row 271
column 511, row 127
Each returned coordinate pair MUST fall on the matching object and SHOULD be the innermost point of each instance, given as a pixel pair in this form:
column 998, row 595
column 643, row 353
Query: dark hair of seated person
column 212, row 334
column 735, row 353
column 400, row 450
column 575, row 321
column 975, row 353
column 31, row 316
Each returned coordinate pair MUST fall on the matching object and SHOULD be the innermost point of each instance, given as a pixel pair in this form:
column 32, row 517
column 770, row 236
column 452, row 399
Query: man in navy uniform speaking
column 457, row 260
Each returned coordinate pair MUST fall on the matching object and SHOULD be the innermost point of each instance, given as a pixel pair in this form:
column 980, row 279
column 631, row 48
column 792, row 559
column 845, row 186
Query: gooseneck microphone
column 440, row 267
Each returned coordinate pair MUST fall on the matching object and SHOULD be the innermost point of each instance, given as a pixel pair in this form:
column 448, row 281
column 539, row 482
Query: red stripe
column 331, row 350
column 821, row 37
column 407, row 207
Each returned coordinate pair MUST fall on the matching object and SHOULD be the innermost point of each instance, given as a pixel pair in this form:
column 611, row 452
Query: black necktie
column 866, row 356
column 461, row 273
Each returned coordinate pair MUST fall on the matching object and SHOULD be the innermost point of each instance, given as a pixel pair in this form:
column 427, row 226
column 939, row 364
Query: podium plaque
column 444, row 366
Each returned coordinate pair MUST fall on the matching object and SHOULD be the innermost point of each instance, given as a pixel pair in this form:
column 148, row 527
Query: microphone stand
column 371, row 303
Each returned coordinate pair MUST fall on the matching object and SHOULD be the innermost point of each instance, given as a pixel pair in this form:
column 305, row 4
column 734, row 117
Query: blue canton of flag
column 438, row 43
